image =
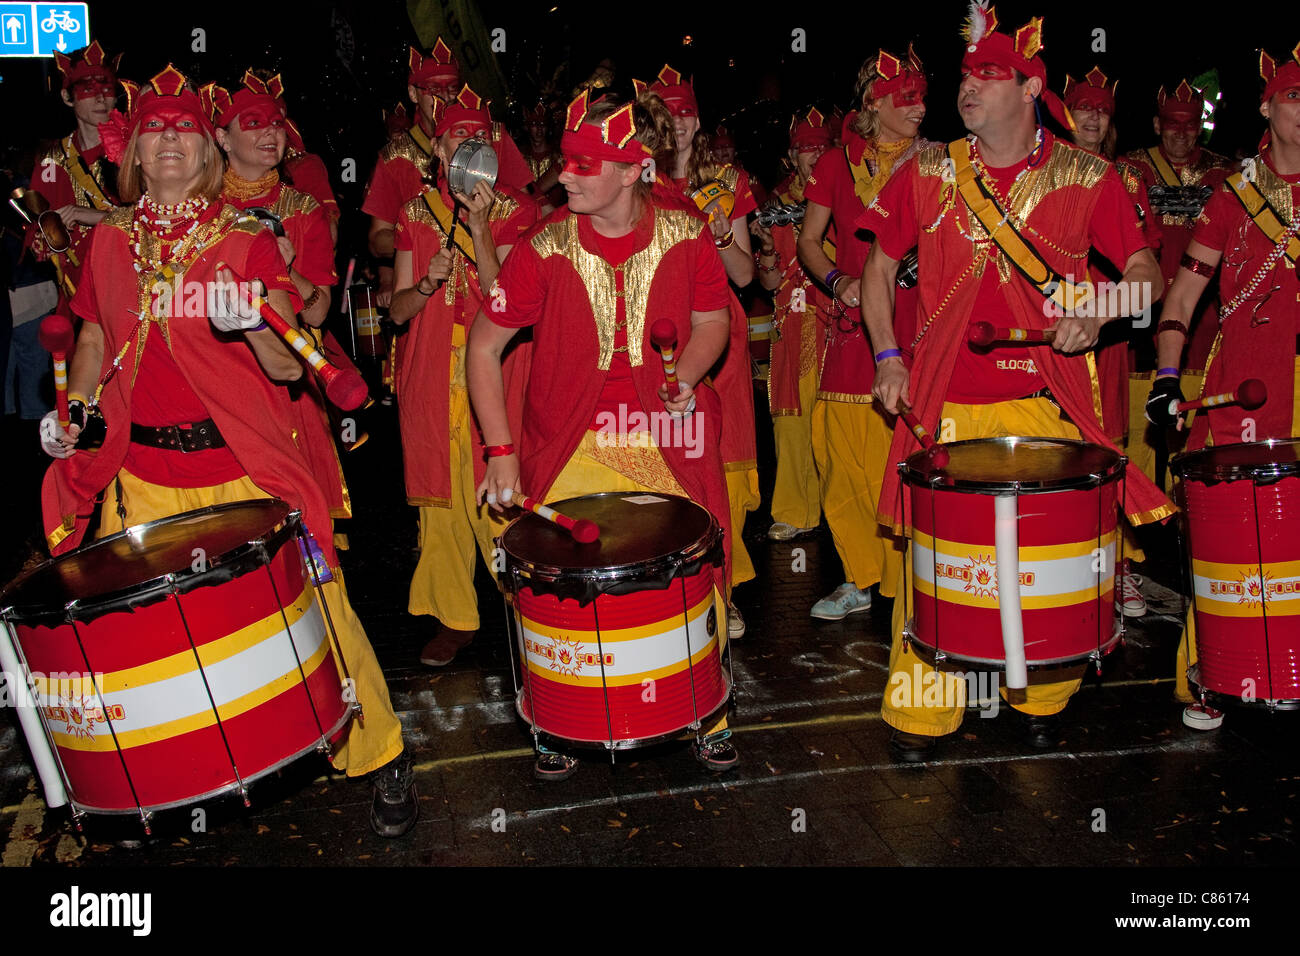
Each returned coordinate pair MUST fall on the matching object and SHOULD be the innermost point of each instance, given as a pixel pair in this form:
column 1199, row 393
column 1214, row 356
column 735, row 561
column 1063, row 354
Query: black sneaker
column 1041, row 733
column 911, row 748
column 718, row 756
column 395, row 807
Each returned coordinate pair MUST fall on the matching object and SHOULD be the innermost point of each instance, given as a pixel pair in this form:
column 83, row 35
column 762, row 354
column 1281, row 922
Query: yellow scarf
column 242, row 190
column 886, row 155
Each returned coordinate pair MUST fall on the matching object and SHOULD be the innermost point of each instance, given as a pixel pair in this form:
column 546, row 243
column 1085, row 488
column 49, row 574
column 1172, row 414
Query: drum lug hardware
column 356, row 710
column 77, row 816
column 146, row 817
column 243, row 795
column 939, row 657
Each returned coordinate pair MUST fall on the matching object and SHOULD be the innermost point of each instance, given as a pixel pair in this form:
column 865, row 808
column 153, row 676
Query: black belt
column 196, row 436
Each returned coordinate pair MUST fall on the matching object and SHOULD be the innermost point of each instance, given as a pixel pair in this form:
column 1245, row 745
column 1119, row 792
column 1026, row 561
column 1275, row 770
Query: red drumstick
column 1251, row 393
column 56, row 337
column 344, row 387
column 984, row 334
column 581, row 530
column 938, row 454
column 663, row 335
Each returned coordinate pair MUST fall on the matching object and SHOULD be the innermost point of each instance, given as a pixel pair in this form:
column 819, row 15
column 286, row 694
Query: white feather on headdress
column 977, row 23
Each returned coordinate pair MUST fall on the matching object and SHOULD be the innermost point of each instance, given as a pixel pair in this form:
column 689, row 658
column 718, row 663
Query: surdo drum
column 1036, row 512
column 617, row 639
column 1242, row 506
column 176, row 660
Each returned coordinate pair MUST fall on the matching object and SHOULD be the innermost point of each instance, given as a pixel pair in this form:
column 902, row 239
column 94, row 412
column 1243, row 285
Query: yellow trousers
column 905, row 707
column 373, row 740
column 1141, row 454
column 582, row 474
column 851, row 448
column 796, row 498
column 443, row 582
column 742, row 498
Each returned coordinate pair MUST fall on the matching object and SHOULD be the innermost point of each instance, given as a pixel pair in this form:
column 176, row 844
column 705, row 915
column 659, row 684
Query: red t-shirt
column 1223, row 212
column 1005, row 372
column 831, row 185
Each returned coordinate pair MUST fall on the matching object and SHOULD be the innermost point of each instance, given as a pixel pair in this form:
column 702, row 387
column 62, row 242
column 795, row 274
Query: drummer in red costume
column 440, row 289
column 850, row 433
column 73, row 176
column 1250, row 227
column 592, row 354
column 967, row 276
column 798, row 343
column 695, row 171
column 251, row 130
column 1092, row 108
column 188, row 374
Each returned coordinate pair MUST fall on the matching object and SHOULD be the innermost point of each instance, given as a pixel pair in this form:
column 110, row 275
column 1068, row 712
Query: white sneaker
column 1131, row 601
column 735, row 623
column 843, row 601
column 1202, row 717
column 780, row 531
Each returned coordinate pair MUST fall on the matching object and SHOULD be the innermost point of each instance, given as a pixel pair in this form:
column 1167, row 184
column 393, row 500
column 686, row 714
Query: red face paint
column 582, row 165
column 912, row 93
column 164, row 117
column 986, row 71
column 1179, row 123
column 92, row 86
column 679, row 106
column 260, row 117
column 1090, row 104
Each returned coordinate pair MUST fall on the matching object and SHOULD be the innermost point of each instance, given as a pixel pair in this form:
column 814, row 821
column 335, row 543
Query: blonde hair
column 130, row 178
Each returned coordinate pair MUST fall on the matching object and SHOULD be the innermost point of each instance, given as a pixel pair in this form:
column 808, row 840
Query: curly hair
column 654, row 129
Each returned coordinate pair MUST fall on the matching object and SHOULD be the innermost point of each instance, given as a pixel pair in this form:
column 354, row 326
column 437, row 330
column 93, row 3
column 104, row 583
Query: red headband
column 440, row 65
column 224, row 108
column 87, row 64
column 171, row 84
column 614, row 138
column 467, row 107
column 1186, row 101
column 1020, row 53
column 809, row 133
column 677, row 94
column 1278, row 78
column 1095, row 92
column 894, row 74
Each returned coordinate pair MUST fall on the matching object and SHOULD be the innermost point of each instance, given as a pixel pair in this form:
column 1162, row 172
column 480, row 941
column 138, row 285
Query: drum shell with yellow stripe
column 1242, row 505
column 135, row 729
column 1067, row 494
column 624, row 650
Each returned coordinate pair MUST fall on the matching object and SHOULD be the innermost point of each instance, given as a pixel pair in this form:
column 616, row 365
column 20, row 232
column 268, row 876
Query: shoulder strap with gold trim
column 1262, row 214
column 1162, row 167
column 443, row 217
column 985, row 208
column 419, row 138
column 80, row 174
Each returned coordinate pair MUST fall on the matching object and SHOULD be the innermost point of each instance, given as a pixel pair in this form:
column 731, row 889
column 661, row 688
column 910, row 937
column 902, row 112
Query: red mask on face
column 260, row 117
column 1087, row 102
column 92, row 86
column 163, row 116
column 582, row 165
column 1179, row 122
column 986, row 70
column 911, row 93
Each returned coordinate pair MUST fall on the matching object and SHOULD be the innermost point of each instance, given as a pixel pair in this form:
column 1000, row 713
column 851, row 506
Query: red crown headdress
column 1095, row 92
column 86, row 64
column 440, row 65
column 223, row 106
column 895, row 73
column 613, row 139
column 467, row 107
column 1279, row 77
column 1185, row 101
column 678, row 94
column 810, row 132
column 1019, row 52
column 170, row 83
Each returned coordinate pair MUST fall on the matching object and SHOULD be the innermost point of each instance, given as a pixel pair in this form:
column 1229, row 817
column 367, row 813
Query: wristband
column 261, row 325
column 499, row 451
column 77, row 397
column 1195, row 265
column 312, row 299
column 421, row 291
column 888, row 353
column 831, row 276
column 725, row 242
column 1162, row 372
column 1171, row 325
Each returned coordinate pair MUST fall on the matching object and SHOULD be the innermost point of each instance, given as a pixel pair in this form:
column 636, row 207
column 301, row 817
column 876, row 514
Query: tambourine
column 34, row 207
column 714, row 197
column 782, row 214
column 267, row 218
column 1179, row 200
column 94, row 429
column 473, row 162
column 906, row 277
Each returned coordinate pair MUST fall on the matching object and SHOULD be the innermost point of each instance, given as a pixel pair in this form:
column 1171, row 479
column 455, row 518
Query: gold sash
column 443, row 217
column 985, row 208
column 1165, row 171
column 80, row 174
column 1262, row 214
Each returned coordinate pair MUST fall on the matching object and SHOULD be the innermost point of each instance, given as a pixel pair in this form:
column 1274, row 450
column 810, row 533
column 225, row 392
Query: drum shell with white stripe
column 1067, row 494
column 603, row 633
column 1242, row 508
column 242, row 629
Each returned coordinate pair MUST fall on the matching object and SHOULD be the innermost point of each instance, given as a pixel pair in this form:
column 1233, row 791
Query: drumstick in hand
column 56, row 337
column 937, row 453
column 663, row 335
column 581, row 530
column 344, row 387
column 1251, row 393
column 984, row 334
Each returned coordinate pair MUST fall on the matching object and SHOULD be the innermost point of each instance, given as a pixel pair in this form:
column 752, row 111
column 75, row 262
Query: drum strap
column 81, row 174
column 443, row 217
column 1262, row 214
column 121, row 508
column 1162, row 167
column 984, row 206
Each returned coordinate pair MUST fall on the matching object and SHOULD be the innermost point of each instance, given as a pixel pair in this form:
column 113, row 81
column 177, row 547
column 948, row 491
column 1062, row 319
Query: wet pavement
column 1128, row 784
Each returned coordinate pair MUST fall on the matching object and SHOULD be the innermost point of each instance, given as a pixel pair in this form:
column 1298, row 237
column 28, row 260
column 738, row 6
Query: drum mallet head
column 982, row 335
column 1251, row 393
column 938, row 455
column 664, row 335
column 584, row 531
column 347, row 389
column 55, row 334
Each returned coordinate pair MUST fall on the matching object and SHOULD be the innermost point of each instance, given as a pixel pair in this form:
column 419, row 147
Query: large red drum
column 1242, row 506
column 1063, row 498
column 618, row 639
column 178, row 660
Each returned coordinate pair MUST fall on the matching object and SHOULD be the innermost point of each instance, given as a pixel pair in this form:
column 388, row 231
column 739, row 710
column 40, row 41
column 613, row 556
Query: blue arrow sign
column 41, row 29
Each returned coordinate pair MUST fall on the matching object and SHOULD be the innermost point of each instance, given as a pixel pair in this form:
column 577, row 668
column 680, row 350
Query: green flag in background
column 461, row 26
column 1208, row 84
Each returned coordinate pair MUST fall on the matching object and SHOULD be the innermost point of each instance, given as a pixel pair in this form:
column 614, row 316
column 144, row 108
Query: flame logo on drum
column 1253, row 589
column 567, row 659
column 79, row 715
column 982, row 579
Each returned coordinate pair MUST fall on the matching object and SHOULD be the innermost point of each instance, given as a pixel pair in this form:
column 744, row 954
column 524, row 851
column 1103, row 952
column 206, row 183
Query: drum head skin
column 142, row 556
column 1023, row 465
column 636, row 529
column 473, row 162
column 1254, row 461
